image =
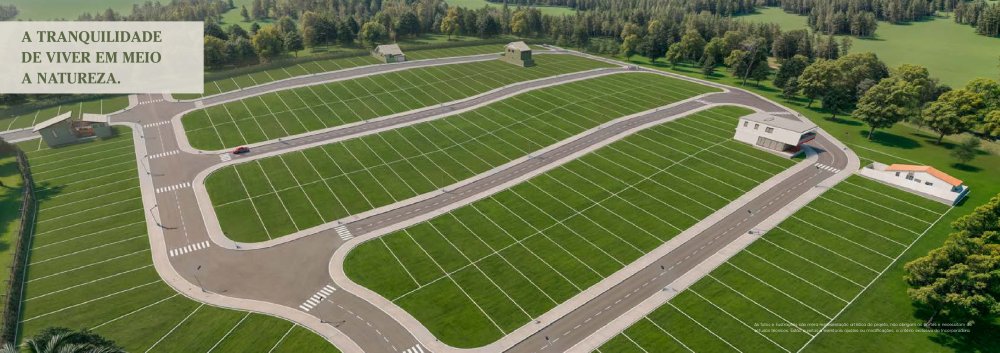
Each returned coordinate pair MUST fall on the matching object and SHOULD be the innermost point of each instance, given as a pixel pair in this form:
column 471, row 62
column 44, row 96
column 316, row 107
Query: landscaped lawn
column 477, row 273
column 951, row 51
column 10, row 203
column 298, row 190
column 319, row 66
column 299, row 110
column 779, row 292
column 10, row 121
column 90, row 265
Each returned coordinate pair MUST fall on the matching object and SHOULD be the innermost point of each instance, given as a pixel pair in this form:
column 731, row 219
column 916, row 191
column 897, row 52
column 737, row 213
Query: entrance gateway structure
column 775, row 133
column 63, row 129
column 518, row 53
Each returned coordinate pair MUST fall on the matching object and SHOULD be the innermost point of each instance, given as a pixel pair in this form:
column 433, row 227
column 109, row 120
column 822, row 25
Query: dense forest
column 7, row 12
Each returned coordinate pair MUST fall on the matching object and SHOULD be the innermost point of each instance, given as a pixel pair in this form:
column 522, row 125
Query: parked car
column 241, row 150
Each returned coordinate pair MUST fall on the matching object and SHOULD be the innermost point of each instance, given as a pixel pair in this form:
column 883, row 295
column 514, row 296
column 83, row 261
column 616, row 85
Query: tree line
column 8, row 12
column 984, row 17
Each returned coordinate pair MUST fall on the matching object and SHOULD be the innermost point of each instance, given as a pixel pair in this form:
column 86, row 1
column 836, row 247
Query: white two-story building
column 774, row 132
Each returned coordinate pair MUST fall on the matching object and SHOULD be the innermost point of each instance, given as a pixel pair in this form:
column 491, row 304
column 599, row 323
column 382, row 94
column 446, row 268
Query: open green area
column 13, row 121
column 295, row 191
column 779, row 292
column 238, row 82
column 65, row 9
column 952, row 52
column 90, row 266
column 10, row 203
column 478, row 4
column 477, row 273
column 886, row 299
column 299, row 110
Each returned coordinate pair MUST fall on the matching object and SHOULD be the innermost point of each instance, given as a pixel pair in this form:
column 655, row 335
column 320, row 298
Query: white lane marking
column 414, row 349
column 164, row 154
column 344, row 233
column 827, row 168
column 165, row 122
column 316, row 298
column 225, row 157
column 173, row 187
column 189, row 248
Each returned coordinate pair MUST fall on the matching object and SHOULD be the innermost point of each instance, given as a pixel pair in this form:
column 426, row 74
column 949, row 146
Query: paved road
column 296, row 274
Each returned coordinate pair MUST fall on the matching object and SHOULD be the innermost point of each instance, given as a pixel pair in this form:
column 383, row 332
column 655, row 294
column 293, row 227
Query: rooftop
column 52, row 121
column 779, row 122
column 390, row 49
column 519, row 45
column 94, row 118
column 926, row 169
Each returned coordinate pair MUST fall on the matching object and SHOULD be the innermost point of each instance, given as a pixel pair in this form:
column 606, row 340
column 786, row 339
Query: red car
column 241, row 150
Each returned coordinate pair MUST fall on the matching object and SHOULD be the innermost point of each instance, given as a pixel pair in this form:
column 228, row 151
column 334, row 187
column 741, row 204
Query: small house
column 518, row 53
column 784, row 135
column 922, row 180
column 389, row 53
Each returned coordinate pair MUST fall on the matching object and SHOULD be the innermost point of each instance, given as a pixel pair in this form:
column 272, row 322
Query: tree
column 708, row 66
column 819, row 78
column 519, row 24
column 59, row 340
column 630, row 46
column 293, row 42
column 372, row 33
column 885, row 104
column 488, row 26
column 268, row 43
column 750, row 61
column 675, row 54
column 692, row 45
column 953, row 112
column 244, row 13
column 286, row 24
column 657, row 40
column 791, row 88
column 408, row 25
column 212, row 29
column 966, row 150
column 450, row 24
column 958, row 280
column 790, row 68
column 254, row 28
column 215, row 52
column 236, row 31
column 991, row 123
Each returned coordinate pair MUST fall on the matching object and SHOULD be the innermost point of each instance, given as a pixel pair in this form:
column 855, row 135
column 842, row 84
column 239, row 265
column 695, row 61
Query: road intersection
column 300, row 277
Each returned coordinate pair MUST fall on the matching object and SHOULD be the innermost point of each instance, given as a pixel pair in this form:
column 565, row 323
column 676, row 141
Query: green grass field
column 90, row 266
column 229, row 84
column 478, row 4
column 784, row 288
column 299, row 190
column 10, row 203
column 310, row 108
column 10, row 121
column 477, row 273
column 952, row 52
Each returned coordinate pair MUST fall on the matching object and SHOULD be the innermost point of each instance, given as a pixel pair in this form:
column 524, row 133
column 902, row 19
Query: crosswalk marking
column 189, row 248
column 344, row 233
column 150, row 101
column 164, row 154
column 827, row 168
column 173, row 187
column 156, row 124
column 317, row 298
column 414, row 349
column 225, row 157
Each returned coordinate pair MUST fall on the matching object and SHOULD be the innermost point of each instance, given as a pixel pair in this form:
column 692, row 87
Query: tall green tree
column 215, row 52
column 657, row 40
column 450, row 23
column 268, row 43
column 819, row 78
column 293, row 42
column 692, row 45
column 630, row 46
column 888, row 102
column 64, row 340
column 959, row 279
column 953, row 112
column 790, row 68
column 408, row 24
column 372, row 33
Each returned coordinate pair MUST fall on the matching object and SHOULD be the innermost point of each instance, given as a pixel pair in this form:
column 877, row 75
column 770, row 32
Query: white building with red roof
column 920, row 179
